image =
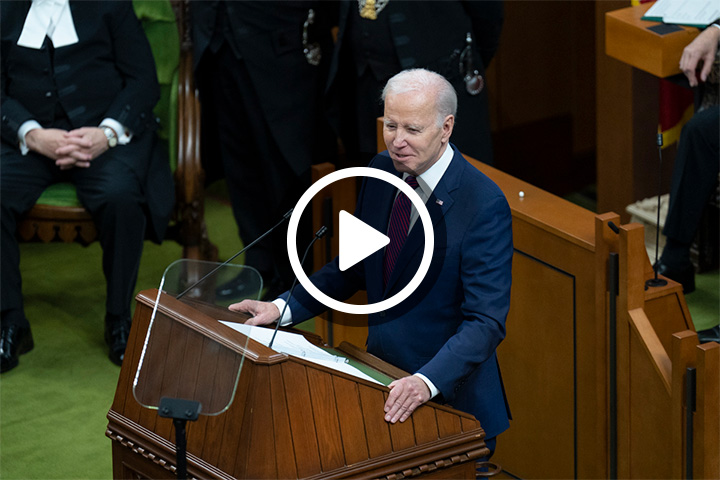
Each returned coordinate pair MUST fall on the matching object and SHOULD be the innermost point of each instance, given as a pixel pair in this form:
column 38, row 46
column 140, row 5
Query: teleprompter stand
column 180, row 410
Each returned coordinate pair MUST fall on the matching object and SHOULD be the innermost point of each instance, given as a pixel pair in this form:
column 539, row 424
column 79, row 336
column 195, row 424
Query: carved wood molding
column 155, row 448
column 140, row 441
column 44, row 228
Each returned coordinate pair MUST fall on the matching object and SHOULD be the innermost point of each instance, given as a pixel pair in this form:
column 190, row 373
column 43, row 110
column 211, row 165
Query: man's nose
column 399, row 139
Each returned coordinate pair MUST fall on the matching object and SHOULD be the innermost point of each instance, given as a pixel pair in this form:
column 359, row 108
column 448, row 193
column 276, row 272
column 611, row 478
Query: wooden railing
column 594, row 375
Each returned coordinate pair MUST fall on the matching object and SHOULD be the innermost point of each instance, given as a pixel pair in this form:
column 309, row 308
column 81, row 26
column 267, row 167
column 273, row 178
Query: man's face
column 411, row 134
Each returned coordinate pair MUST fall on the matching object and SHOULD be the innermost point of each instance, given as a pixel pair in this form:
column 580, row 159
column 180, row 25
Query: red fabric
column 676, row 108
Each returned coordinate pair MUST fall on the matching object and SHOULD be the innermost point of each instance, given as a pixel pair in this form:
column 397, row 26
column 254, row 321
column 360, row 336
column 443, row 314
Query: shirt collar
column 429, row 179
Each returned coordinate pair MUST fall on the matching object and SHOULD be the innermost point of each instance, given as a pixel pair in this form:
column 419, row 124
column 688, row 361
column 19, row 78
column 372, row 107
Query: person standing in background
column 379, row 38
column 261, row 67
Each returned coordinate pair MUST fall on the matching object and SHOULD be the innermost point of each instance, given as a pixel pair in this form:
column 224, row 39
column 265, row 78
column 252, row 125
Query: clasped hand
column 74, row 148
column 406, row 394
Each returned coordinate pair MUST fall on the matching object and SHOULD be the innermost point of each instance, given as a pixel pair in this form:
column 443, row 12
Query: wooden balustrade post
column 707, row 417
column 683, row 356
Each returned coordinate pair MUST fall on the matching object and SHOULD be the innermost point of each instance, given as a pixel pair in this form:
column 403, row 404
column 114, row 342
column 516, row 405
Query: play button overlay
column 358, row 240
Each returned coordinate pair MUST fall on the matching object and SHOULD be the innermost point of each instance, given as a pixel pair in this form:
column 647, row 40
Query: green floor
column 53, row 406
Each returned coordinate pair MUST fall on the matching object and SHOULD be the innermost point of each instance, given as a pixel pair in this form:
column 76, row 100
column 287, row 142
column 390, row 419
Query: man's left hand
column 406, row 394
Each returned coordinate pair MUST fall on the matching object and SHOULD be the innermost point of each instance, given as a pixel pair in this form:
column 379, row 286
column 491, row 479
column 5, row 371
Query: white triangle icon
column 358, row 240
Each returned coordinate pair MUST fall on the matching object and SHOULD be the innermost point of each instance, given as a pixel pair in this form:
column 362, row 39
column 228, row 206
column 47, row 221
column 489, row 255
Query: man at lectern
column 447, row 331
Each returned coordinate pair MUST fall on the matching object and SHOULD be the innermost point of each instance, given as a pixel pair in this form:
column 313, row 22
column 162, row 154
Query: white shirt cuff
column 433, row 389
column 287, row 316
column 124, row 135
column 22, row 131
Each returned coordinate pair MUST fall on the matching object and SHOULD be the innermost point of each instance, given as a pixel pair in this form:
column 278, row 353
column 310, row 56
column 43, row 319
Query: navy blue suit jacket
column 449, row 328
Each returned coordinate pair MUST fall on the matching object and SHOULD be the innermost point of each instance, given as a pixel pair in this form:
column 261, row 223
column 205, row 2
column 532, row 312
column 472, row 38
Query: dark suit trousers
column 110, row 191
column 695, row 175
column 261, row 184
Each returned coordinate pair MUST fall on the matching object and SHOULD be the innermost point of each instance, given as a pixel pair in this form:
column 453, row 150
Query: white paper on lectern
column 685, row 12
column 660, row 8
column 296, row 345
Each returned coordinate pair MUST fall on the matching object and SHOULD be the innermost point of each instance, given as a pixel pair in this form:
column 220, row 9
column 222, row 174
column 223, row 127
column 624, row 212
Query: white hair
column 425, row 81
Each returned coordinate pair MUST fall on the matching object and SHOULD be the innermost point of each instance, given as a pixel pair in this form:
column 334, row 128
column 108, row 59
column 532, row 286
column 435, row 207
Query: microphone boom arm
column 285, row 217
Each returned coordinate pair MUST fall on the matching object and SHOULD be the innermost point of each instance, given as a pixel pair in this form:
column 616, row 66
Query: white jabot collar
column 51, row 18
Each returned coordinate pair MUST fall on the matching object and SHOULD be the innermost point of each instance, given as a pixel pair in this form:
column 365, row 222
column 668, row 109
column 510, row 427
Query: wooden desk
column 629, row 39
column 629, row 61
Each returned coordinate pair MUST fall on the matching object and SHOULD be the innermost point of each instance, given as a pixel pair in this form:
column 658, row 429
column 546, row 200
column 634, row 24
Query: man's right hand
column 46, row 141
column 263, row 313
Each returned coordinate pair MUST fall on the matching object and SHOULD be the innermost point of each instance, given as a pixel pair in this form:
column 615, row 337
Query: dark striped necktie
column 398, row 229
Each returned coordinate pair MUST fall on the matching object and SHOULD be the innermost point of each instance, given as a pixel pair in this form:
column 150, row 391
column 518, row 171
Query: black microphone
column 285, row 217
column 318, row 235
column 655, row 281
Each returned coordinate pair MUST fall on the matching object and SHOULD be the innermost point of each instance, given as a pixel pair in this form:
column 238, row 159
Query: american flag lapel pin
column 438, row 201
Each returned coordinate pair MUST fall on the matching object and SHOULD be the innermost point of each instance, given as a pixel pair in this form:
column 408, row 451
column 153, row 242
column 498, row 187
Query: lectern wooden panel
column 287, row 418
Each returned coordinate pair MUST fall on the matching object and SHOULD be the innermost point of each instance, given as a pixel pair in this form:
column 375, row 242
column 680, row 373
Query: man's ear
column 447, row 127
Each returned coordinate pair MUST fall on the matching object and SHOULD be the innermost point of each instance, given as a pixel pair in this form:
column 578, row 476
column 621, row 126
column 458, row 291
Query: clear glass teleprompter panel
column 181, row 357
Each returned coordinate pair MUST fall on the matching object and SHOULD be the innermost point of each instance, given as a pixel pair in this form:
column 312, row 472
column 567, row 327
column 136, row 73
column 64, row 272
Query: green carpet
column 704, row 302
column 53, row 406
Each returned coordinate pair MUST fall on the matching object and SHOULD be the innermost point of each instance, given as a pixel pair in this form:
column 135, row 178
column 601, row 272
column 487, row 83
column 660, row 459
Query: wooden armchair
column 58, row 215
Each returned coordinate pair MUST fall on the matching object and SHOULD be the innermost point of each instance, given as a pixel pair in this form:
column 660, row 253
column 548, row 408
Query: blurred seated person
column 378, row 39
column 78, row 88
column 697, row 164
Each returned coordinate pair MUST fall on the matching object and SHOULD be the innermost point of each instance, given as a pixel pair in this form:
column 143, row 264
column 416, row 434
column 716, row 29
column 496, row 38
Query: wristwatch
column 110, row 135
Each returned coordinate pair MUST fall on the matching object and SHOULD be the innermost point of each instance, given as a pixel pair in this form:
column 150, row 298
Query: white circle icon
column 388, row 302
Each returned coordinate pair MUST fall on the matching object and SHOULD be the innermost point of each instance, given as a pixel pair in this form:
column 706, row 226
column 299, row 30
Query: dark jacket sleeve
column 134, row 61
column 13, row 113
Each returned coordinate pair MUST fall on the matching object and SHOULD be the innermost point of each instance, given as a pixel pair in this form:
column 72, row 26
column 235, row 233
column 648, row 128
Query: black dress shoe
column 684, row 275
column 709, row 335
column 244, row 285
column 14, row 341
column 273, row 289
column 117, row 332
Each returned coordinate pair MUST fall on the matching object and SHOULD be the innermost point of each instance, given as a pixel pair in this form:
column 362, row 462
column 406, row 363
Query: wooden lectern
column 287, row 417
